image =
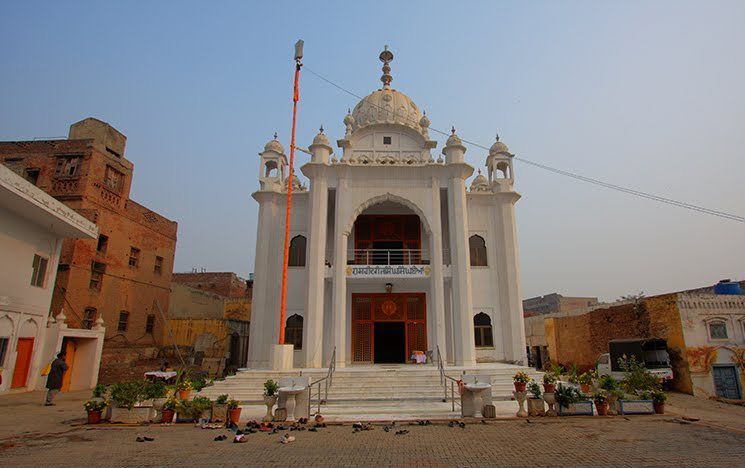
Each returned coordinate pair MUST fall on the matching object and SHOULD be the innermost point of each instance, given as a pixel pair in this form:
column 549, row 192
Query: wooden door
column 362, row 329
column 24, row 351
column 70, row 349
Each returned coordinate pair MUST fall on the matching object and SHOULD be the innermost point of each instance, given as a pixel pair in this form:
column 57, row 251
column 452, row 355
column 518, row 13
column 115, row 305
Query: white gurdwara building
column 392, row 251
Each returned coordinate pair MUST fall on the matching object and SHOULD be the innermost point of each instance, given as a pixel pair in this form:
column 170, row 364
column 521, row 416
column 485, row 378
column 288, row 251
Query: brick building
column 555, row 303
column 222, row 283
column 123, row 274
column 705, row 335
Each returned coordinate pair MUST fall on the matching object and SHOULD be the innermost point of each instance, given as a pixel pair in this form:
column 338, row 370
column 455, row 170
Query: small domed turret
column 453, row 139
column 274, row 145
column 454, row 150
column 321, row 139
column 480, row 184
column 499, row 147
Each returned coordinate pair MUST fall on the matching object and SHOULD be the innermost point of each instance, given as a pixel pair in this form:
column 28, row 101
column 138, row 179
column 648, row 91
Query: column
column 340, row 280
column 509, row 278
column 437, row 283
column 462, row 304
column 313, row 332
column 262, row 316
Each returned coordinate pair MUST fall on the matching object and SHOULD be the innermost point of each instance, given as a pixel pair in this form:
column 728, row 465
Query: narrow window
column 477, row 249
column 294, row 331
column 39, row 271
column 134, row 257
column 297, row 252
column 3, row 349
column 123, row 319
column 150, row 324
column 482, row 329
column 67, row 166
column 97, row 272
column 113, row 179
column 158, row 267
column 89, row 317
column 32, row 175
column 103, row 243
column 386, row 140
column 718, row 330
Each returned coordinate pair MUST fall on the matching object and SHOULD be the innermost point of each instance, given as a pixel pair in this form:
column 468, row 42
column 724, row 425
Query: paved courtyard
column 50, row 438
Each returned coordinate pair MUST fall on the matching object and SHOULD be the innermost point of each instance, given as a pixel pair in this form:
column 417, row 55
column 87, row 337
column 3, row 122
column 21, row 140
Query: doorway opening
column 390, row 343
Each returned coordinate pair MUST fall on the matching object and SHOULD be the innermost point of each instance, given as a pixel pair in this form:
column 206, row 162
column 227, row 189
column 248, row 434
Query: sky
column 647, row 95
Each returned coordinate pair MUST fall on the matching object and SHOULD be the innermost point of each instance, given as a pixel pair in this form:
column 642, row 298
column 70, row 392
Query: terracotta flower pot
column 234, row 415
column 549, row 388
column 184, row 394
column 94, row 417
column 167, row 416
column 659, row 408
column 520, row 386
column 585, row 388
column 602, row 408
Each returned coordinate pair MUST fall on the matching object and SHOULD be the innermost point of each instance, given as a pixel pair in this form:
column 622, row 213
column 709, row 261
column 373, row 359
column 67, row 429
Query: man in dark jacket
column 54, row 379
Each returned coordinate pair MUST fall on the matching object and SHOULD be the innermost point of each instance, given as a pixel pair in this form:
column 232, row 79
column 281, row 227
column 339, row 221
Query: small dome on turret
column 499, row 147
column 480, row 183
column 424, row 121
column 454, row 139
column 274, row 145
column 348, row 119
column 297, row 186
column 321, row 139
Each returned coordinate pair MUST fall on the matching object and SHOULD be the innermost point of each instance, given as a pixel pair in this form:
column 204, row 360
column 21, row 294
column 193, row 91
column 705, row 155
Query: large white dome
column 387, row 106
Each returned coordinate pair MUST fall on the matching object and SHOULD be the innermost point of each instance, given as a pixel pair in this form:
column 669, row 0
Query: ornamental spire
column 386, row 57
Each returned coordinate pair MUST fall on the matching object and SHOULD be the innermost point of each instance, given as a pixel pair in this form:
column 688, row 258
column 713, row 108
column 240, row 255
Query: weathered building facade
column 554, row 303
column 124, row 275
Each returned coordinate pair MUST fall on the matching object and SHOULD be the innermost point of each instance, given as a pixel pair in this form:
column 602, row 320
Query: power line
column 573, row 175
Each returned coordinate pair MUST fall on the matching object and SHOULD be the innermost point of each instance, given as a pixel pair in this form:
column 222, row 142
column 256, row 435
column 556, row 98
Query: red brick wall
column 223, row 283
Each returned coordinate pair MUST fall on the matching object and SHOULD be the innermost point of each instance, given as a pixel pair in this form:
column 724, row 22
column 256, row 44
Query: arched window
column 297, row 252
column 482, row 330
column 294, row 331
column 270, row 169
column 477, row 249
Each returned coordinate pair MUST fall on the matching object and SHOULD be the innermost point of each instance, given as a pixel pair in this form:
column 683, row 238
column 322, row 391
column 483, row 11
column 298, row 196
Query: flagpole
column 290, row 179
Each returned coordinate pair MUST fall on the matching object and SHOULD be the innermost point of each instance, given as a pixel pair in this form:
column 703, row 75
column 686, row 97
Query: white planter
column 581, row 408
column 219, row 412
column 637, row 406
column 137, row 414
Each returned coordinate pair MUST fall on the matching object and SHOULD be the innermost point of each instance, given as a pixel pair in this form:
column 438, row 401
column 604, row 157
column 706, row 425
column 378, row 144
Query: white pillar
column 437, row 283
column 340, row 279
column 313, row 332
column 509, row 279
column 464, row 345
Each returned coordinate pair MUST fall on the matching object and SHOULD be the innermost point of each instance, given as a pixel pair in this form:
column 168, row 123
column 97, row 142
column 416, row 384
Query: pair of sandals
column 144, row 439
column 221, row 437
column 460, row 424
column 402, row 432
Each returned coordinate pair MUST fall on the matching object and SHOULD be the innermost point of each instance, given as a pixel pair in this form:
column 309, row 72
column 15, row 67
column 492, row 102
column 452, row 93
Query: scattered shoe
column 220, row 437
column 148, row 439
column 140, row 439
column 318, row 418
column 402, row 432
column 239, row 439
column 387, row 428
column 313, row 429
column 462, row 425
column 286, row 439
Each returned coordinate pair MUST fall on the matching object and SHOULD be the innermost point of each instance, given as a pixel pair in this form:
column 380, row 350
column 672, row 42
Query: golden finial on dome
column 386, row 57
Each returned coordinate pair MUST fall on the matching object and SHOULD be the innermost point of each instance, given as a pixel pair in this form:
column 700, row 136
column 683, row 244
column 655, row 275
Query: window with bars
column 67, row 166
column 477, row 250
column 123, row 321
column 718, row 330
column 134, row 257
column 150, row 324
column 482, row 330
column 297, row 252
column 294, row 331
column 158, row 267
column 38, row 271
column 97, row 271
column 113, row 179
column 89, row 317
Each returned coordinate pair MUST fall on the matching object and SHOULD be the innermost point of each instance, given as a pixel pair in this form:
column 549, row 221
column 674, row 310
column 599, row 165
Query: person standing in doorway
column 54, row 379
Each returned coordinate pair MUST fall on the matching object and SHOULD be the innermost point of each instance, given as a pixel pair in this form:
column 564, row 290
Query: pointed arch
column 383, row 198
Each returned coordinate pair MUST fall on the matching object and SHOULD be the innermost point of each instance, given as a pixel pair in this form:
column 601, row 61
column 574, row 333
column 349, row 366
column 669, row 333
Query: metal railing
column 328, row 381
column 444, row 378
column 388, row 257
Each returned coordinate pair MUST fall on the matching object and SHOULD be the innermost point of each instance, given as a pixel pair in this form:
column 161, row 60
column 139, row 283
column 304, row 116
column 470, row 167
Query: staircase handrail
column 328, row 381
column 444, row 379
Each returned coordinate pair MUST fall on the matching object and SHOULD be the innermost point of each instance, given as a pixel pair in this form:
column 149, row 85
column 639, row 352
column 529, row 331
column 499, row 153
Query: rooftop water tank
column 727, row 287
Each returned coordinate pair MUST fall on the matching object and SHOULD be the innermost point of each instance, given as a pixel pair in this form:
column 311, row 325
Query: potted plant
column 601, row 402
column 535, row 402
column 125, row 396
column 234, row 411
column 584, row 381
column 270, row 397
column 183, row 387
column 168, row 410
column 571, row 401
column 94, row 408
column 613, row 387
column 549, row 382
column 205, row 405
column 520, row 380
column 154, row 393
column 195, row 409
column 658, row 400
column 220, row 408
